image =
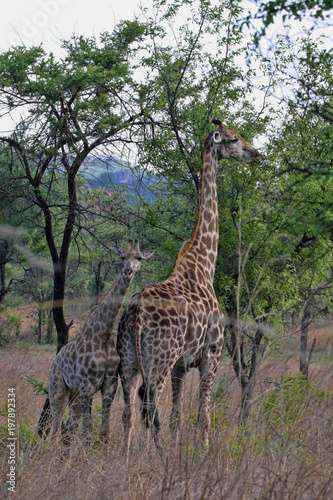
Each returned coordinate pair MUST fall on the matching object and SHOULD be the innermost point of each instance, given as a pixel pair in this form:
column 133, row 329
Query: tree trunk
column 3, row 289
column 246, row 380
column 304, row 360
column 39, row 327
column 247, row 390
column 60, row 260
column 49, row 326
column 235, row 349
column 4, row 259
column 98, row 280
column 59, row 269
column 58, row 306
column 2, row 281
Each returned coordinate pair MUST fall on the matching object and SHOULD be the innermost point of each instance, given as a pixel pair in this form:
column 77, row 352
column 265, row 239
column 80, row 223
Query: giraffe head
column 229, row 144
column 132, row 257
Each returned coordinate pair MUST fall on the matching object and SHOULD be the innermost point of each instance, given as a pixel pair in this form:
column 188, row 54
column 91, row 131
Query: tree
column 195, row 78
column 6, row 256
column 70, row 108
column 302, row 69
column 39, row 289
column 305, row 172
column 277, row 258
column 10, row 207
column 268, row 12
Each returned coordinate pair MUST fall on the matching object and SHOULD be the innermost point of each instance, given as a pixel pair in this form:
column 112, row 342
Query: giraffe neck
column 200, row 252
column 102, row 317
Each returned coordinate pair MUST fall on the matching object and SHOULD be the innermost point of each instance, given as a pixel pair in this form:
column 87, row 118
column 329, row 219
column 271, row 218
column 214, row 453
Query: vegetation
column 137, row 101
column 267, row 13
column 72, row 107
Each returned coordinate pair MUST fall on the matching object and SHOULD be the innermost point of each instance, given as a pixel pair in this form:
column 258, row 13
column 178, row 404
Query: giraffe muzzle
column 129, row 273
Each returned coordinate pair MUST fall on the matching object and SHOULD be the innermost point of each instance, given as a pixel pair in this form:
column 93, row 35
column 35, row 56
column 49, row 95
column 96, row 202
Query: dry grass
column 286, row 452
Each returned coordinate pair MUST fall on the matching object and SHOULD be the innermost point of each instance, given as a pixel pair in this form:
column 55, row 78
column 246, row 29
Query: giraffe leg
column 129, row 385
column 57, row 413
column 149, row 411
column 208, row 367
column 153, row 397
column 177, row 414
column 75, row 413
column 59, row 396
column 108, row 393
column 150, row 396
column 86, row 404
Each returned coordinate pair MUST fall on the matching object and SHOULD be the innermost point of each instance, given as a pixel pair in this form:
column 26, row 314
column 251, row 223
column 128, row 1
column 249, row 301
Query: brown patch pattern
column 178, row 324
column 89, row 363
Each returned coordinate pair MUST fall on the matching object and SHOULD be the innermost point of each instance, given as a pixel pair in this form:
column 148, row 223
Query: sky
column 31, row 22
column 47, row 21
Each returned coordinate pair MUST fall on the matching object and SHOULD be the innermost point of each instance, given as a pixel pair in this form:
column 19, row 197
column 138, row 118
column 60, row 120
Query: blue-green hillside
column 106, row 172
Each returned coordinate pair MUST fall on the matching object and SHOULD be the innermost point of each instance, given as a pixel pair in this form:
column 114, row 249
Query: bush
column 11, row 324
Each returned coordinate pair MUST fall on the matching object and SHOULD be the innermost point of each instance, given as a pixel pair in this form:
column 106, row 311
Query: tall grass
column 285, row 452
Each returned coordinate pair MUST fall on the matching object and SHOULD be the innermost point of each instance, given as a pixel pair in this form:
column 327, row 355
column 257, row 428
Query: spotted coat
column 89, row 363
column 178, row 324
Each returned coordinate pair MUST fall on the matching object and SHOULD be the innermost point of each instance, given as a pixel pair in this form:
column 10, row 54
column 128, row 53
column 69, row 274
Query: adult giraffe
column 178, row 324
column 89, row 363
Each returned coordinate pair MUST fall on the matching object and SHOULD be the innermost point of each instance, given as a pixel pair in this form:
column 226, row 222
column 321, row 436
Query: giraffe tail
column 143, row 408
column 44, row 420
column 149, row 413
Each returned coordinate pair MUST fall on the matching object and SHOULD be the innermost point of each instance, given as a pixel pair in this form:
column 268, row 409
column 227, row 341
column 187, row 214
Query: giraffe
column 89, row 363
column 178, row 324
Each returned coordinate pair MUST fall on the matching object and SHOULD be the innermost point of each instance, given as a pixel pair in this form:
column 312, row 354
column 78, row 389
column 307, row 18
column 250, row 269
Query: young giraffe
column 89, row 363
column 178, row 324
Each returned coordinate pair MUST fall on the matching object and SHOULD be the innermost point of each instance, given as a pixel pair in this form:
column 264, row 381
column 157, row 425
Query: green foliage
column 4, row 429
column 288, row 402
column 38, row 386
column 68, row 108
column 188, row 98
column 279, row 423
column 12, row 323
column 276, row 217
column 27, row 434
column 114, row 438
column 220, row 389
column 24, row 430
column 85, row 75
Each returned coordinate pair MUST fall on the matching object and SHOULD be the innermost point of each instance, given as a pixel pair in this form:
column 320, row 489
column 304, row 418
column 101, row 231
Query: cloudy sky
column 47, row 21
column 34, row 21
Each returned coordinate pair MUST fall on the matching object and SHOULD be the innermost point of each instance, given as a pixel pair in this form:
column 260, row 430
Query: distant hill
column 113, row 172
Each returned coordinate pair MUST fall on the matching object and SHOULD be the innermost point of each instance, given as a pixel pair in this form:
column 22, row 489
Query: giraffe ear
column 147, row 255
column 217, row 137
column 119, row 251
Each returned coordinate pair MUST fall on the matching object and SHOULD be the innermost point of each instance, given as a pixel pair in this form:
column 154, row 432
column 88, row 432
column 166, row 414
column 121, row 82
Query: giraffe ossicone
column 89, row 362
column 178, row 324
